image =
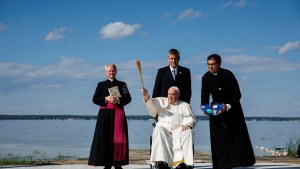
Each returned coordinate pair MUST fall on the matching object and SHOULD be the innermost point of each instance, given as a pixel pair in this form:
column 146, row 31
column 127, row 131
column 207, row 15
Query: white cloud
column 47, row 86
column 66, row 71
column 249, row 63
column 290, row 46
column 57, row 34
column 272, row 48
column 166, row 15
column 70, row 71
column 233, row 4
column 189, row 14
column 118, row 30
column 3, row 26
column 145, row 34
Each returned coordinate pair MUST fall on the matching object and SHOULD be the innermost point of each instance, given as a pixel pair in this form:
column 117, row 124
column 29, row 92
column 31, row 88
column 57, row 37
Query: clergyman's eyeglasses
column 214, row 64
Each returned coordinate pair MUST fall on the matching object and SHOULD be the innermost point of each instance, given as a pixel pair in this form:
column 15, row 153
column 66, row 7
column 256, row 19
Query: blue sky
column 53, row 52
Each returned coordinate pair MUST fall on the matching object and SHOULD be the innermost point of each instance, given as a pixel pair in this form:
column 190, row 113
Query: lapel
column 169, row 74
column 179, row 73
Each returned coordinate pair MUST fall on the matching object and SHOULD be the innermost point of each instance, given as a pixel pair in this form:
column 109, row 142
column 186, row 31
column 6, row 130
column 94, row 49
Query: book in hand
column 114, row 91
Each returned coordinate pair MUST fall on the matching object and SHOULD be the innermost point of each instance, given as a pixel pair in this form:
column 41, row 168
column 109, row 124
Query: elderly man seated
column 172, row 139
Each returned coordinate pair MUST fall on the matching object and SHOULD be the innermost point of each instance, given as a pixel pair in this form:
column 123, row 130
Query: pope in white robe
column 172, row 138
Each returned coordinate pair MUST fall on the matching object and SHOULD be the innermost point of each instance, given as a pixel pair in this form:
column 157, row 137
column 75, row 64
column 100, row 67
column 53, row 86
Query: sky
column 53, row 52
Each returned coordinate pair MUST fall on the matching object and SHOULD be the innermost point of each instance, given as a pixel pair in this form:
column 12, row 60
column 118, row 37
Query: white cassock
column 169, row 143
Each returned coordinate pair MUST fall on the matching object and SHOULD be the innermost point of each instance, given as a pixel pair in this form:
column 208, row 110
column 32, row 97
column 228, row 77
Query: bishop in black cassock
column 110, row 142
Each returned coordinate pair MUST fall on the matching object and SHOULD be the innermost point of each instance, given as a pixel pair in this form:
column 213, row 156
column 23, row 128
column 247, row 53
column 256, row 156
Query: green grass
column 15, row 159
column 292, row 146
column 36, row 157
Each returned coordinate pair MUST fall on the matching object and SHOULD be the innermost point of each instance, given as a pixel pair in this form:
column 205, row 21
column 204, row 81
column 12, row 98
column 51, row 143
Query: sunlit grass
column 292, row 147
column 15, row 159
column 36, row 157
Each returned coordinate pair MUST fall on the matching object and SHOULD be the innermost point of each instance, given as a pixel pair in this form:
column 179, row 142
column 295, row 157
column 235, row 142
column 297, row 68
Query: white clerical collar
column 216, row 73
column 110, row 79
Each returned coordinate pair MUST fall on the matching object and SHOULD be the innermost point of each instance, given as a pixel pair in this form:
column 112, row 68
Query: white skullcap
column 176, row 88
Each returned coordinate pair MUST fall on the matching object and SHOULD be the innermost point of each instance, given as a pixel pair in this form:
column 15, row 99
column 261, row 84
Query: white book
column 114, row 91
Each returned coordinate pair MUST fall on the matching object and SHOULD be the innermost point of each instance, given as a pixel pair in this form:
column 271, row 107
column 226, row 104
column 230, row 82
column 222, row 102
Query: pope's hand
column 184, row 127
column 144, row 91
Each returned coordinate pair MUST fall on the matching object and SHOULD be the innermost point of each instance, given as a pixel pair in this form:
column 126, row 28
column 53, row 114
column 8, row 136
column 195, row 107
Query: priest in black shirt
column 230, row 142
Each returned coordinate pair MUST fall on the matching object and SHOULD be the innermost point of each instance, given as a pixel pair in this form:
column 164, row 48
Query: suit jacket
column 164, row 80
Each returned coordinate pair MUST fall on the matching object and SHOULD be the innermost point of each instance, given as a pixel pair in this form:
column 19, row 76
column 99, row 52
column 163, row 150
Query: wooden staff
column 138, row 64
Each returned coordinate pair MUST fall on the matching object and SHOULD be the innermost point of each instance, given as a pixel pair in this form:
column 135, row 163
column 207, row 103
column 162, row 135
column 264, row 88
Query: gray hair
column 113, row 65
column 176, row 88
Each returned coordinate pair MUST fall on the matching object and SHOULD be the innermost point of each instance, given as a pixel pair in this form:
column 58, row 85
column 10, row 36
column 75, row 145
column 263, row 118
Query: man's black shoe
column 162, row 165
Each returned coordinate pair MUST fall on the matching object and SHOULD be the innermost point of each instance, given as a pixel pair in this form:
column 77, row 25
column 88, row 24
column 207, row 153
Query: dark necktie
column 174, row 74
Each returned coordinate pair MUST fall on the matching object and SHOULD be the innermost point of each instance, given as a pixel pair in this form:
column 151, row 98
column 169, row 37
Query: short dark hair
column 215, row 57
column 174, row 52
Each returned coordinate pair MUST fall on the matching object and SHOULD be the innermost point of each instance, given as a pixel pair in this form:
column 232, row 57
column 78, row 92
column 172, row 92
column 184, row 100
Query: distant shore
column 129, row 117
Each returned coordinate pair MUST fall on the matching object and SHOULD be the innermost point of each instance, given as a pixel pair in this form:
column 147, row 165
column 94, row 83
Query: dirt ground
column 139, row 156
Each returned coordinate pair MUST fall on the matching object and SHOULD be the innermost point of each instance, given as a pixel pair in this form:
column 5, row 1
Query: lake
column 74, row 137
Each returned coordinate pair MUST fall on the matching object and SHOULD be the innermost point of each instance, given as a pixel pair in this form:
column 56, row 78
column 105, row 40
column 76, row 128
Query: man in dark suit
column 182, row 78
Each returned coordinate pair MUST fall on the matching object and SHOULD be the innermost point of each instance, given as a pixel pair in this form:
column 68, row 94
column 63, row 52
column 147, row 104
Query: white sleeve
column 153, row 106
column 189, row 117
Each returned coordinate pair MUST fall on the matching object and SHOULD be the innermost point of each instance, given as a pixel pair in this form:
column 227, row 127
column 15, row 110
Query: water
column 74, row 137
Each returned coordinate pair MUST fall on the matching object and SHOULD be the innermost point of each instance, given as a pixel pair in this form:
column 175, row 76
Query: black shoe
column 162, row 165
column 181, row 166
column 107, row 167
column 118, row 167
column 189, row 167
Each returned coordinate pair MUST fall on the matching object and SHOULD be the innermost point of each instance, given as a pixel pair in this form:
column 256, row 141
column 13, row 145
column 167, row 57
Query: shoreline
column 141, row 156
column 128, row 117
